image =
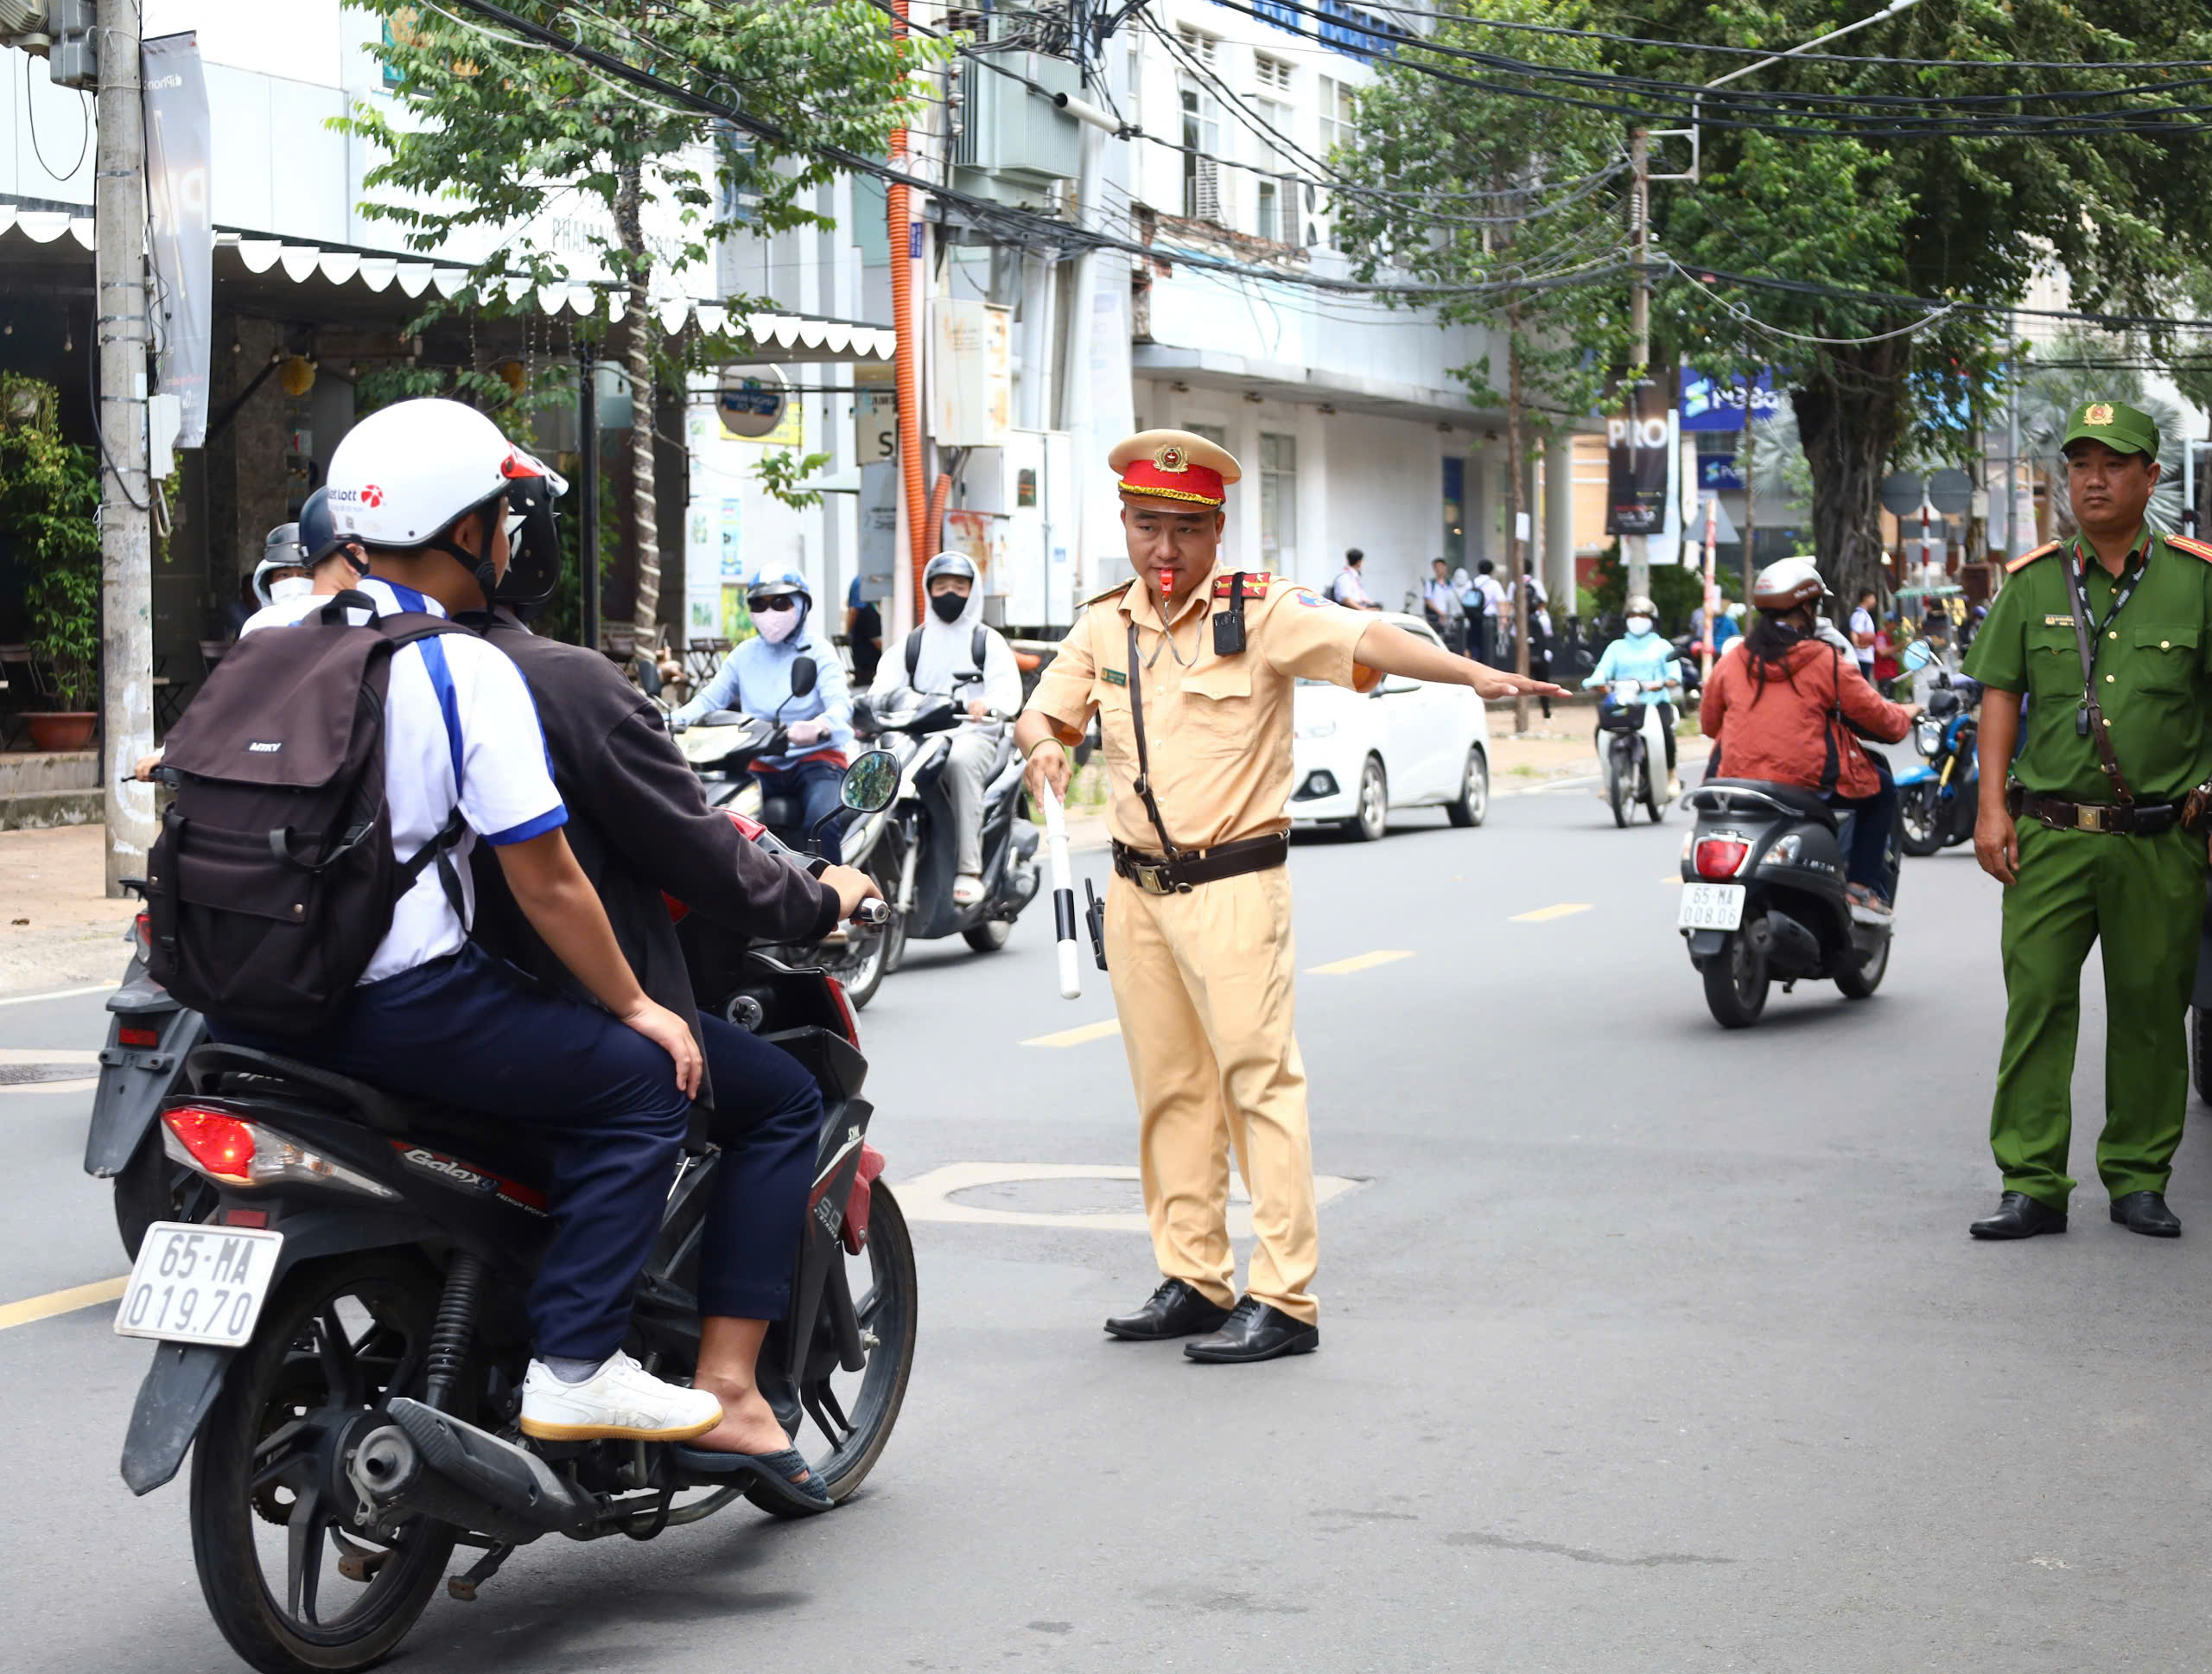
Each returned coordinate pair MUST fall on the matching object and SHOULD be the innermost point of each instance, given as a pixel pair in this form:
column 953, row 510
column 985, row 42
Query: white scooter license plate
column 198, row 1284
column 1712, row 906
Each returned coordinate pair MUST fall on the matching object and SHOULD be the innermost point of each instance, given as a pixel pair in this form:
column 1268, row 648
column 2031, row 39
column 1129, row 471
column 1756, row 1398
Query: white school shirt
column 458, row 729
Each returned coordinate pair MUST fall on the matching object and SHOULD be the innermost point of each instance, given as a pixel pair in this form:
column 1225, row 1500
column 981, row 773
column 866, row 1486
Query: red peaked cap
column 1175, row 465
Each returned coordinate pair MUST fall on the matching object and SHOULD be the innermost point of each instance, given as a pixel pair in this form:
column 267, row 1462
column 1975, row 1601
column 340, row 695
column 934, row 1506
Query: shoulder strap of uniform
column 1256, row 584
column 2195, row 549
column 1113, row 592
column 2045, row 550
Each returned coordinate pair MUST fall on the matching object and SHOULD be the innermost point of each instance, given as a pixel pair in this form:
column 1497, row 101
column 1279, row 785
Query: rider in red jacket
column 1789, row 706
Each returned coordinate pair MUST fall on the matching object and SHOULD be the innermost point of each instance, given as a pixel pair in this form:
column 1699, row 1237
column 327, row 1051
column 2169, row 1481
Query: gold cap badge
column 2100, row 412
column 1172, row 458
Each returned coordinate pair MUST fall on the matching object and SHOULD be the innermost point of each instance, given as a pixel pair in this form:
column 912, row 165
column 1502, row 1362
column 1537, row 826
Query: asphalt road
column 1644, row 1347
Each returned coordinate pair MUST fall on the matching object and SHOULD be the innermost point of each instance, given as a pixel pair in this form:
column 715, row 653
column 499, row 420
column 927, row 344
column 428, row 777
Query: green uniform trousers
column 2143, row 898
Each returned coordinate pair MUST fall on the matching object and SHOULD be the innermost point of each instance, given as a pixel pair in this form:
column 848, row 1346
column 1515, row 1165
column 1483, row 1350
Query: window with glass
column 1278, row 499
column 1201, row 141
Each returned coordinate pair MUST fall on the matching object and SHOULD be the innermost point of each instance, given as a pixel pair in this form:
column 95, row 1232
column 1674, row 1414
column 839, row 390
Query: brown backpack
column 273, row 879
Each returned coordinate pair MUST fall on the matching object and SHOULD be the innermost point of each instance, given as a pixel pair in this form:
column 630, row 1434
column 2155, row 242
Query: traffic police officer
column 2110, row 636
column 1190, row 671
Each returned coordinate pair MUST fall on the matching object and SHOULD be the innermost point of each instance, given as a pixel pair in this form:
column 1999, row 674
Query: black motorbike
column 342, row 1344
column 1938, row 796
column 1763, row 899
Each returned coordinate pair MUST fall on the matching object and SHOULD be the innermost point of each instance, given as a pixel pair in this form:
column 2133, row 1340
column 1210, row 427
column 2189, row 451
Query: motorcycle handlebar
column 873, row 912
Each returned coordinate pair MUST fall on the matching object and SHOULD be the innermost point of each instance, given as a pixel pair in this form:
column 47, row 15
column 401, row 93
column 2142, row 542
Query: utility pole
column 1637, row 548
column 587, row 582
column 1751, row 485
column 121, row 334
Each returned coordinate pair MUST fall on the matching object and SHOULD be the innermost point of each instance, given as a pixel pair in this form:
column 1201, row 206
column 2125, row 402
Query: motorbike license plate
column 198, row 1284
column 1711, row 907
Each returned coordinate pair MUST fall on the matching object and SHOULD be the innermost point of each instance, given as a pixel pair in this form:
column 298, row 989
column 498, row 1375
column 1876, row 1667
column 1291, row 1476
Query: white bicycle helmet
column 1787, row 582
column 406, row 473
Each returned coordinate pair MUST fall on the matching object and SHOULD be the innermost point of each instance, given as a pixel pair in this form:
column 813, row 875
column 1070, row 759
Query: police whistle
column 1056, row 849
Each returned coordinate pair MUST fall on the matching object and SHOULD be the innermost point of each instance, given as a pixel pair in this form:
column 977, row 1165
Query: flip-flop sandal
column 772, row 1470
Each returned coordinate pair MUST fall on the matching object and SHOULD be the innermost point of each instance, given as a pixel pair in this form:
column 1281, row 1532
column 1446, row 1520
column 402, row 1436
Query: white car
column 1406, row 744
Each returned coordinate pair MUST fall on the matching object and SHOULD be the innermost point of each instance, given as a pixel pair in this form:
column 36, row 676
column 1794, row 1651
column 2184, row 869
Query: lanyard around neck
column 2130, row 578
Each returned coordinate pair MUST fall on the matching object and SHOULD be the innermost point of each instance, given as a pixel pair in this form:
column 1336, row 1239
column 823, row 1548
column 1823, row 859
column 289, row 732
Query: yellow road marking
column 61, row 1301
column 1076, row 1037
column 1564, row 909
column 1360, row 962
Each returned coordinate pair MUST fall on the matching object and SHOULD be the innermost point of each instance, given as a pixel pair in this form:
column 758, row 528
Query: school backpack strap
column 411, row 627
column 979, row 644
column 913, row 653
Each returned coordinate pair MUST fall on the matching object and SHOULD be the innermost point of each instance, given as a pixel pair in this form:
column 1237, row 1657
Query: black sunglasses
column 778, row 602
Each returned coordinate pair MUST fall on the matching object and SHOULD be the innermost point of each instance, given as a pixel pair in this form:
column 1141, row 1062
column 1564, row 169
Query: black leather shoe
column 1255, row 1331
column 1175, row 1310
column 2145, row 1213
column 2019, row 1216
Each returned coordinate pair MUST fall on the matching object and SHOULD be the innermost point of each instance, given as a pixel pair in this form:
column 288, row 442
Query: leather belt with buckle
column 1156, row 874
column 2106, row 818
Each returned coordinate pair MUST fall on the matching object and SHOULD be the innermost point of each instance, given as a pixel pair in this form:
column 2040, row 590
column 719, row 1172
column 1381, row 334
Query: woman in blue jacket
column 756, row 679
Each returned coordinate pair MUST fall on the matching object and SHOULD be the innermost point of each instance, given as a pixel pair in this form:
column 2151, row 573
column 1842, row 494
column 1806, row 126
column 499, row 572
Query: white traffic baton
column 1056, row 846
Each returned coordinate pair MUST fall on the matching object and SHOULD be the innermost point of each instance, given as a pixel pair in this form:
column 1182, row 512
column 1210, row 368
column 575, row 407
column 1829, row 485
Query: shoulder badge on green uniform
column 2027, row 558
column 2195, row 549
column 1256, row 584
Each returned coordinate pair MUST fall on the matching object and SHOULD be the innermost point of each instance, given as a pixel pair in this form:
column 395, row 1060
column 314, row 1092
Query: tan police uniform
column 1203, row 974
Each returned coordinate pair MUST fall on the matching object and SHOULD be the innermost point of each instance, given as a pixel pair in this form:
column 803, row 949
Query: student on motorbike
column 1642, row 656
column 756, row 679
column 639, row 824
column 1786, row 708
column 938, row 659
column 427, row 488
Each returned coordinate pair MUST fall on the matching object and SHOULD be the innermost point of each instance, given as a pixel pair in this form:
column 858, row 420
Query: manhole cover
column 1088, row 1195
column 17, row 1075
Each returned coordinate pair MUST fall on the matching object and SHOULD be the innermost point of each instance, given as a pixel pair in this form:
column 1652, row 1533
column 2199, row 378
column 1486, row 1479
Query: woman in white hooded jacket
column 939, row 657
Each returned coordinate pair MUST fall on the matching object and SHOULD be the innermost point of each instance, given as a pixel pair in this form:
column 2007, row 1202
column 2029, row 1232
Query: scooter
column 1763, row 899
column 1937, row 797
column 340, row 1347
column 1635, row 752
column 916, row 846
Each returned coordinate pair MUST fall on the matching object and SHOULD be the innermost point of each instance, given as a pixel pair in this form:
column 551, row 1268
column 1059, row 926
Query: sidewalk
column 57, row 927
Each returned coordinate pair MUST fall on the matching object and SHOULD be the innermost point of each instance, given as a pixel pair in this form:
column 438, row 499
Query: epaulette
column 1256, row 584
column 2027, row 558
column 2195, row 549
column 1113, row 592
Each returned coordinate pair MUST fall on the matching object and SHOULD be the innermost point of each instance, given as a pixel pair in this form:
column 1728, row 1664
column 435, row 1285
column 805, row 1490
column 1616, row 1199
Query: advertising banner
column 184, row 234
column 1636, row 458
column 1713, row 405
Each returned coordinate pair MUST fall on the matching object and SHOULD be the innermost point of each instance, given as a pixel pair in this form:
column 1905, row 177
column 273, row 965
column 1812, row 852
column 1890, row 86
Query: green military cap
column 2119, row 427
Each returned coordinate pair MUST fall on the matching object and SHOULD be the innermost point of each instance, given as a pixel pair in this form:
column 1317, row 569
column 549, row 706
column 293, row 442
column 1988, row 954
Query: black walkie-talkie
column 1094, row 915
column 1229, row 625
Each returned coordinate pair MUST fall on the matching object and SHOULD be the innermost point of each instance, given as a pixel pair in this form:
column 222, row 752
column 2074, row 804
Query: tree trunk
column 1516, row 584
column 638, row 361
column 1848, row 420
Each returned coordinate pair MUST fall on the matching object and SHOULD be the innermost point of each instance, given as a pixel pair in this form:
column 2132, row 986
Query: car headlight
column 1317, row 729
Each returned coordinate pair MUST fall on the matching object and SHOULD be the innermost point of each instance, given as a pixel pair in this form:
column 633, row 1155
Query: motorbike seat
column 783, row 813
column 1806, row 804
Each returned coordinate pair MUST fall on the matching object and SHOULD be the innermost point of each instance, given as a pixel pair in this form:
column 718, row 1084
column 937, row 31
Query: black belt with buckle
column 1157, row 876
column 2112, row 818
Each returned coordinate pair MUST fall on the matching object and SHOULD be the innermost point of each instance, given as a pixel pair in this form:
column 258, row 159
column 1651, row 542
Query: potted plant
column 49, row 502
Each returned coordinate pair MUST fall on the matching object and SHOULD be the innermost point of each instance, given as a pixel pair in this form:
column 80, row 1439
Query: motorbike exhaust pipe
column 1791, row 949
column 431, row 1463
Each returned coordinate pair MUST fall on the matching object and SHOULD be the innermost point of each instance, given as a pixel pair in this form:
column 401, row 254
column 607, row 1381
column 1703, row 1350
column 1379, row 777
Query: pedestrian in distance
column 1190, row 672
column 1350, row 588
column 1865, row 631
column 1493, row 597
column 2097, row 829
column 1440, row 604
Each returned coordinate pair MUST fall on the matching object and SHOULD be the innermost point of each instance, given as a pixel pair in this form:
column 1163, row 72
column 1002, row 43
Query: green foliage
column 49, row 502
column 780, row 474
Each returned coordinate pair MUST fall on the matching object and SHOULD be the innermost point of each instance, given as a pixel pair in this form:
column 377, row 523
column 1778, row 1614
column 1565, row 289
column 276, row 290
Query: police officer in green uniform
column 2091, row 829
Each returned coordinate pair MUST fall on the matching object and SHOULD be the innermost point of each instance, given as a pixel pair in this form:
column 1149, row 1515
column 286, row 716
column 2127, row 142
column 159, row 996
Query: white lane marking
column 928, row 1197
column 61, row 1301
column 1544, row 915
column 1076, row 1037
column 59, row 994
column 1360, row 962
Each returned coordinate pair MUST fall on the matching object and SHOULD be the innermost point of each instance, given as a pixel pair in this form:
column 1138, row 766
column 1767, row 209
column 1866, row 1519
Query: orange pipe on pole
column 907, row 358
column 932, row 537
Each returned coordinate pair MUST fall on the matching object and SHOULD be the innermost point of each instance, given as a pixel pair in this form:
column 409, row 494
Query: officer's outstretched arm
column 1391, row 650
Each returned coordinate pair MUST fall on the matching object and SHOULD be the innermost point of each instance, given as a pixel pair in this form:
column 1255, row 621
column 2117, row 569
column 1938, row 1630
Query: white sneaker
column 619, row 1400
column 967, row 889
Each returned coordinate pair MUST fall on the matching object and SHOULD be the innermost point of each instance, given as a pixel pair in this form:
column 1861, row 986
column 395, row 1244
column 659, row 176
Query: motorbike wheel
column 1859, row 982
column 150, row 1187
column 1735, row 983
column 1922, row 815
column 1471, row 807
column 1654, row 804
column 329, row 1347
column 989, row 935
column 855, row 1410
column 2199, row 1053
column 1620, row 789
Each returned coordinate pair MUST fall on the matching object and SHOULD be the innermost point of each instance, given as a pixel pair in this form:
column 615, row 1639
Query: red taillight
column 142, row 927
column 220, row 1143
column 245, row 1217
column 137, row 1037
column 1721, row 857
column 845, row 1010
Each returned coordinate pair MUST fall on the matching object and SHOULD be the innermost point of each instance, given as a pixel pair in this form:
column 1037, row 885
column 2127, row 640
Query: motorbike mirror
column 870, row 782
column 1917, row 656
column 803, row 676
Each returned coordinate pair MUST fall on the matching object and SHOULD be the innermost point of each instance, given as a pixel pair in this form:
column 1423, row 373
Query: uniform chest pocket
column 2163, row 656
column 1115, row 733
column 1219, row 714
column 2054, row 662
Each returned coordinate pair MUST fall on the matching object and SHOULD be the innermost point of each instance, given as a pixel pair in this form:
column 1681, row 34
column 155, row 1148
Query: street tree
column 1453, row 183
column 1890, row 211
column 492, row 139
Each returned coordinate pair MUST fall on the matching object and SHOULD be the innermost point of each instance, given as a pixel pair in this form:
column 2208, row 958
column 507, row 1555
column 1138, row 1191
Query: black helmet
column 280, row 551
column 317, row 531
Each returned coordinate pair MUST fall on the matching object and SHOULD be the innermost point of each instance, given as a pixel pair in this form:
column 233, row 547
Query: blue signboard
column 1717, row 474
column 1710, row 405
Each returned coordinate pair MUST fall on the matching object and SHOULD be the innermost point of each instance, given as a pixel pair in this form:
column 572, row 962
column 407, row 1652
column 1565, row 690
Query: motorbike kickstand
column 463, row 1586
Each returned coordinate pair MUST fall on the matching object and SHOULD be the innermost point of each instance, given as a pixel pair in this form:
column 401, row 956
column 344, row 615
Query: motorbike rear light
column 852, row 1023
column 128, row 1036
column 256, row 1218
column 238, row 1152
column 1721, row 857
column 142, row 934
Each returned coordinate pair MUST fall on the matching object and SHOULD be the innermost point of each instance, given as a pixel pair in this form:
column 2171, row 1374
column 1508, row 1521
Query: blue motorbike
column 1936, row 796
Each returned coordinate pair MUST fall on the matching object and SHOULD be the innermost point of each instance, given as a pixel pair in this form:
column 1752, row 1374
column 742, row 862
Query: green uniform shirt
column 2154, row 670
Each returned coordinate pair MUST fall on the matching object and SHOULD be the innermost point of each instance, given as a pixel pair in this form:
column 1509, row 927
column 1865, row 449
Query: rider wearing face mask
column 941, row 657
column 1642, row 656
column 756, row 679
